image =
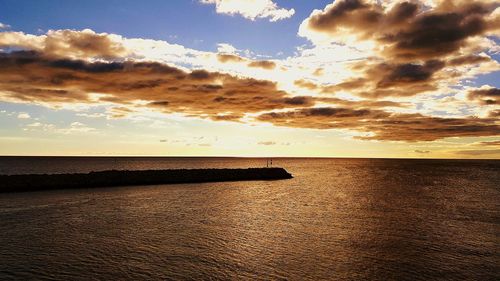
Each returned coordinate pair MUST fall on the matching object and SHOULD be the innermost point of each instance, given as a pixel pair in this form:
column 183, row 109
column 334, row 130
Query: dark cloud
column 434, row 34
column 159, row 103
column 416, row 127
column 408, row 30
column 418, row 48
column 407, row 73
column 422, row 151
column 300, row 100
column 401, row 12
column 485, row 96
column 32, row 77
column 386, row 79
column 322, row 117
column 355, row 14
column 384, row 125
column 29, row 76
column 391, row 79
column 78, row 65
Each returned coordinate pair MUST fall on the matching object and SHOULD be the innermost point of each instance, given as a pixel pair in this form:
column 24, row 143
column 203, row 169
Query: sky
column 343, row 78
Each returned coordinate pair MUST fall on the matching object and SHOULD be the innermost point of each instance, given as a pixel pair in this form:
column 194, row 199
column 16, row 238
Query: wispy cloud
column 485, row 152
column 266, row 143
column 73, row 128
column 23, row 115
column 4, row 26
column 490, row 143
column 382, row 125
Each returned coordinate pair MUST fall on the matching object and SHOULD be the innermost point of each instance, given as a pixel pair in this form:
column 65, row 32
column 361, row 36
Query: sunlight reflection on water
column 338, row 219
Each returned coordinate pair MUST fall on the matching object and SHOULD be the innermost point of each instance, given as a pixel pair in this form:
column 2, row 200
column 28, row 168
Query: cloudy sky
column 344, row 78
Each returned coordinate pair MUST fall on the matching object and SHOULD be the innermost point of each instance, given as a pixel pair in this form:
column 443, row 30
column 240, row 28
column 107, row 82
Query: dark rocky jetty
column 37, row 182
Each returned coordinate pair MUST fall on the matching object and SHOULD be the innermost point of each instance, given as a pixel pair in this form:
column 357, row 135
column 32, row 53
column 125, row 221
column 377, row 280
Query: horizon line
column 245, row 157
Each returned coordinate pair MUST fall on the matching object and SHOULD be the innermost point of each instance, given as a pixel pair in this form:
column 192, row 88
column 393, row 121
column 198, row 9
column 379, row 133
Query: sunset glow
column 344, row 78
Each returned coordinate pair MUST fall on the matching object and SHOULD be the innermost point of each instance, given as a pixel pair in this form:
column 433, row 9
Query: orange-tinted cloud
column 265, row 64
column 407, row 30
column 31, row 77
column 383, row 79
column 390, row 79
column 267, row 143
column 384, row 125
column 68, row 43
column 85, row 67
column 479, row 152
column 468, row 59
column 229, row 58
column 305, row 84
column 491, row 143
column 489, row 96
column 411, row 47
column 494, row 113
column 361, row 103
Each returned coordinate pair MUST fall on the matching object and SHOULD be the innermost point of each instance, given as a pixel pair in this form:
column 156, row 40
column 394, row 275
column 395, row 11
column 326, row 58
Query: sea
column 337, row 219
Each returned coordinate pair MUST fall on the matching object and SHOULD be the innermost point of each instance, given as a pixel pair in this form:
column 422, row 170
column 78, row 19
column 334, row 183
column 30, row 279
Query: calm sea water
column 338, row 219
